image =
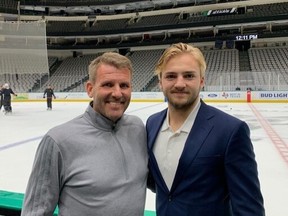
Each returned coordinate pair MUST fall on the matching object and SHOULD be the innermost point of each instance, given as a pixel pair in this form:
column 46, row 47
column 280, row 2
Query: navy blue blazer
column 217, row 172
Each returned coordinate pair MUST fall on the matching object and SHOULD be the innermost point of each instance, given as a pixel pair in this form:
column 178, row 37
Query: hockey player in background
column 50, row 94
column 1, row 96
column 6, row 94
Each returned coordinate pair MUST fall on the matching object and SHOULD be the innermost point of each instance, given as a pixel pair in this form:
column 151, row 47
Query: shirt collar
column 187, row 125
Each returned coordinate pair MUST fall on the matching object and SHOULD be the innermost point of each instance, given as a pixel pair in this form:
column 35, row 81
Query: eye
column 107, row 85
column 170, row 76
column 124, row 86
column 189, row 76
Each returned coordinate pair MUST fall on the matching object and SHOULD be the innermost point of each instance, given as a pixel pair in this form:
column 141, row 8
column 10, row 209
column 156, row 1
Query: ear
column 160, row 83
column 89, row 88
column 202, row 82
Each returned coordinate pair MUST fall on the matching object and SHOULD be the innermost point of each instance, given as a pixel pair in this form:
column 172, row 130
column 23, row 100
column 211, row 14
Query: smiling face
column 111, row 91
column 181, row 81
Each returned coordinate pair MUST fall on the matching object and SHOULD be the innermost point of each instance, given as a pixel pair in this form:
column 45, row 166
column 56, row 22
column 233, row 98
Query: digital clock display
column 247, row 37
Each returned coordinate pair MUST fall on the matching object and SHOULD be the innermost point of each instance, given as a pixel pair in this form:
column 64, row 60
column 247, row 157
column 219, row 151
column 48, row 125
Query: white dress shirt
column 169, row 145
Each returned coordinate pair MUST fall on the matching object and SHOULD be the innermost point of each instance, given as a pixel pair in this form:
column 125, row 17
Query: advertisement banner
column 224, row 96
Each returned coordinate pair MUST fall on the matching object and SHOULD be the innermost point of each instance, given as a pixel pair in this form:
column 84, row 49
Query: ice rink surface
column 21, row 132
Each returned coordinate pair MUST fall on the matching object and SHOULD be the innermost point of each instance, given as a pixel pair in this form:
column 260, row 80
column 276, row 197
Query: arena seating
column 268, row 64
column 143, row 62
column 70, row 72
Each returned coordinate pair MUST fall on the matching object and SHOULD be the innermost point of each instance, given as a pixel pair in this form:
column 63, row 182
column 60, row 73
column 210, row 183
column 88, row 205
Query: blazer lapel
column 154, row 128
column 200, row 130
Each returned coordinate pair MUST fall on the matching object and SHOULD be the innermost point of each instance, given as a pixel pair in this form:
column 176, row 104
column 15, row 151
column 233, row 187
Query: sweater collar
column 99, row 120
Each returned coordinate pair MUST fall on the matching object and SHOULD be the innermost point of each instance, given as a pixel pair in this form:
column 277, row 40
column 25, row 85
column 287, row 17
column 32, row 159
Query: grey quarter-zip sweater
column 90, row 166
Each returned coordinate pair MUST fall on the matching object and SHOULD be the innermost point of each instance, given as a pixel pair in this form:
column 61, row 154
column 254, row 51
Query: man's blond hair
column 179, row 48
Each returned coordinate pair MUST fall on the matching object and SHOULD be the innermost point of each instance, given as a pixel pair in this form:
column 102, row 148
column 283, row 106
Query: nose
column 117, row 91
column 180, row 82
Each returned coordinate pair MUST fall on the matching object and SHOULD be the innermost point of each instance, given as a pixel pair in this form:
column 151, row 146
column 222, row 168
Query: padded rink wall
column 228, row 96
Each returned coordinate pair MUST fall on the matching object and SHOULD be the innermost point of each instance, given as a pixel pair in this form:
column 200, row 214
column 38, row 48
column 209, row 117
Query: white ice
column 22, row 131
